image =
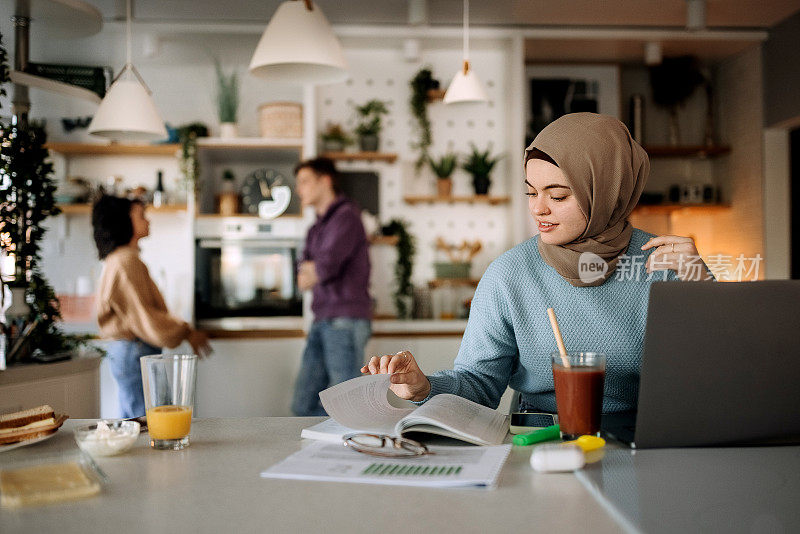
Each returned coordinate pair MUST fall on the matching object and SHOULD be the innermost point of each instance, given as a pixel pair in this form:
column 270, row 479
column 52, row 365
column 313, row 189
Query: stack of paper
column 446, row 467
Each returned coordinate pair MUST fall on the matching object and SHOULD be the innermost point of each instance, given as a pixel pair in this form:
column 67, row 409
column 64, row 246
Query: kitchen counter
column 71, row 386
column 214, row 486
column 294, row 327
column 282, row 327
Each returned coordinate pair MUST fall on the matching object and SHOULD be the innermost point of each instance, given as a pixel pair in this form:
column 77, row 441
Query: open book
column 365, row 404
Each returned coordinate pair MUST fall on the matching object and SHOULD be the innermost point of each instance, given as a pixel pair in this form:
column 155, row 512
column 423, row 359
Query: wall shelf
column 667, row 209
column 85, row 209
column 698, row 151
column 246, row 216
column 477, row 199
column 436, row 95
column 388, row 157
column 254, row 143
column 449, row 282
column 388, row 240
column 114, row 149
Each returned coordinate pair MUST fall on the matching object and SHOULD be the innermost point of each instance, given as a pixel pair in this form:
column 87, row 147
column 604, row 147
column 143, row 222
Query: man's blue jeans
column 123, row 359
column 334, row 353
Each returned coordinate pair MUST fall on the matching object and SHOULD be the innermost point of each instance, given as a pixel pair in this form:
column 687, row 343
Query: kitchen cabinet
column 71, row 387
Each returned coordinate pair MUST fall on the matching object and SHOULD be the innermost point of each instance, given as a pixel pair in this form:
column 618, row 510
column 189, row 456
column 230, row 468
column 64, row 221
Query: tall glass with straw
column 579, row 378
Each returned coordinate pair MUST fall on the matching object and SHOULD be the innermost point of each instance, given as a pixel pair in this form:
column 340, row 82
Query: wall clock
column 268, row 187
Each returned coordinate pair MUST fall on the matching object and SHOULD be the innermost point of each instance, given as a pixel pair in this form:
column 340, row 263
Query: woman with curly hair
column 131, row 311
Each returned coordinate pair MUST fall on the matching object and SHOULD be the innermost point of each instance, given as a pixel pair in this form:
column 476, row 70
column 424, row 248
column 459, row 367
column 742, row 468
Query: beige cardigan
column 130, row 305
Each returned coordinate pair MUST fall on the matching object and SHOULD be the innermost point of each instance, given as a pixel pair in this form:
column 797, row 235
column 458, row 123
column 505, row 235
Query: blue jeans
column 123, row 359
column 334, row 353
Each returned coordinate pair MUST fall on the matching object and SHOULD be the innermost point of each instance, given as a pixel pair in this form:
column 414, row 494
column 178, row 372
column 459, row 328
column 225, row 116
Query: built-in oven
column 247, row 268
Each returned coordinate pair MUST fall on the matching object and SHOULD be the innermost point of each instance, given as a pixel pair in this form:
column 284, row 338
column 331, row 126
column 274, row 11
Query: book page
column 363, row 403
column 463, row 418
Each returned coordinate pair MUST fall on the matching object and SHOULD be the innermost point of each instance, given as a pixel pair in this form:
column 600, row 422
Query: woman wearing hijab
column 584, row 175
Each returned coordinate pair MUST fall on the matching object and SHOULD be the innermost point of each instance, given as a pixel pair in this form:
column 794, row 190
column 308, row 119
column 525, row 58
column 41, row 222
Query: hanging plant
column 404, row 291
column 673, row 82
column 420, row 84
column 190, row 167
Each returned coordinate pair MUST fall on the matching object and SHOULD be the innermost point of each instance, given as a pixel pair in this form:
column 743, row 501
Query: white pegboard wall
column 382, row 73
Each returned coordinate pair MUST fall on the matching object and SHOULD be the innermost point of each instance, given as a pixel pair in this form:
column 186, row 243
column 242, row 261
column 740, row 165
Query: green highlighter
column 537, row 436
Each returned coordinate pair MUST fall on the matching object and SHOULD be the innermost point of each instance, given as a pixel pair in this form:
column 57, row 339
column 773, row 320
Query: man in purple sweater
column 335, row 264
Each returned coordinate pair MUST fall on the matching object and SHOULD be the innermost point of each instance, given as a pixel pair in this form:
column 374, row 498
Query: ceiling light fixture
column 465, row 87
column 127, row 112
column 299, row 46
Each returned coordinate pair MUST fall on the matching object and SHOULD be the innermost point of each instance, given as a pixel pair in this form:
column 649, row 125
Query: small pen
column 537, row 436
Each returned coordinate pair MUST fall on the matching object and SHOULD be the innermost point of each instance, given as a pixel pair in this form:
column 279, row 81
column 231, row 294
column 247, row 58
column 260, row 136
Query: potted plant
column 443, row 168
column 334, row 138
column 404, row 291
column 421, row 83
column 480, row 164
column 369, row 124
column 673, row 82
column 227, row 102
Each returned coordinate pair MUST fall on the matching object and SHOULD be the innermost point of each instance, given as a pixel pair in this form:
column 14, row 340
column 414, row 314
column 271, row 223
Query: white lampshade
column 298, row 46
column 465, row 88
column 127, row 113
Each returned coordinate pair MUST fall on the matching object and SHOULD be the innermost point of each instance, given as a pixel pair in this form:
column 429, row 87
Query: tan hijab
column 606, row 170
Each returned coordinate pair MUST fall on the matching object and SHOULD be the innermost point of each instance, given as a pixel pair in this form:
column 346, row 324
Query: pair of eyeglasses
column 385, row 446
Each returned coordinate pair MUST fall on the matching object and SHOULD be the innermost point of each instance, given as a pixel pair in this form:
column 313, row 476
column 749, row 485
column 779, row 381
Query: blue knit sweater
column 508, row 339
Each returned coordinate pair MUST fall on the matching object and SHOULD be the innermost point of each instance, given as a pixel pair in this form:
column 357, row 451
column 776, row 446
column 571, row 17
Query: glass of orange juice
column 168, row 381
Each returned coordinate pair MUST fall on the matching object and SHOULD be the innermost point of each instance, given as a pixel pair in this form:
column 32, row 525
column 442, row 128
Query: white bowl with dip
column 107, row 437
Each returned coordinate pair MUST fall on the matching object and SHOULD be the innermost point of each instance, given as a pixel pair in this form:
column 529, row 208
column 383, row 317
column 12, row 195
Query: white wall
column 381, row 72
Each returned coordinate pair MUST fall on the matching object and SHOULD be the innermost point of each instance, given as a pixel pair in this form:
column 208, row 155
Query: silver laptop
column 720, row 366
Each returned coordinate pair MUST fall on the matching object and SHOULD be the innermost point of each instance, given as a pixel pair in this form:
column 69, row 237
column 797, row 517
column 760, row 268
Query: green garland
column 26, row 200
column 404, row 265
column 3, row 68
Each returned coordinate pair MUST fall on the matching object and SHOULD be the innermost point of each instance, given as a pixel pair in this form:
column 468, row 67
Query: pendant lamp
column 298, row 46
column 465, row 87
column 127, row 112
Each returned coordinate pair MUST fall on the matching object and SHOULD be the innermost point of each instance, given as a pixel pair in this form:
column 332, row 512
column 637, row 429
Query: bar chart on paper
column 448, row 466
column 411, row 470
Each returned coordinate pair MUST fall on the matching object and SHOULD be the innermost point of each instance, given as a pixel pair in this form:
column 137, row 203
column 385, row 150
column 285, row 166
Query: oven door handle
column 248, row 243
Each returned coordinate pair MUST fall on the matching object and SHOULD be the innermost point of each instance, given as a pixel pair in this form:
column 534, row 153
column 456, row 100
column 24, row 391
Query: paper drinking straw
column 559, row 340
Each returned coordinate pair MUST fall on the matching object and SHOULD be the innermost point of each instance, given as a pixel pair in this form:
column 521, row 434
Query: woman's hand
column 199, row 342
column 678, row 254
column 408, row 381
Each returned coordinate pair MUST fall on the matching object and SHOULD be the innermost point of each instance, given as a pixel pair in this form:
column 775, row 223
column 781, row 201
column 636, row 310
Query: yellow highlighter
column 587, row 443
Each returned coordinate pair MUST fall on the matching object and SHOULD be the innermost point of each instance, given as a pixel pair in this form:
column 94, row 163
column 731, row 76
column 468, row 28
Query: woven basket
column 281, row 119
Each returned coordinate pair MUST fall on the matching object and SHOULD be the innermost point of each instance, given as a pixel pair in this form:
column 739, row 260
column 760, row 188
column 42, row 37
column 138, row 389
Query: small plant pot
column 444, row 187
column 228, row 130
column 452, row 269
column 368, row 143
column 481, row 185
column 332, row 145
